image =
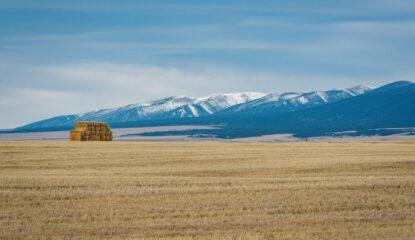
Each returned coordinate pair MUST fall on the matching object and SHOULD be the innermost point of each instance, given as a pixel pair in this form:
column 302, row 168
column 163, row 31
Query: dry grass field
column 207, row 190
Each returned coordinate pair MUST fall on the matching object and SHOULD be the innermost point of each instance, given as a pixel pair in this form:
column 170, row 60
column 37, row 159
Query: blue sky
column 59, row 57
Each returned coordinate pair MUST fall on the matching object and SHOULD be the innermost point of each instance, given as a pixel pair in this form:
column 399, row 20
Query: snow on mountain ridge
column 238, row 97
column 218, row 102
column 359, row 89
column 292, row 101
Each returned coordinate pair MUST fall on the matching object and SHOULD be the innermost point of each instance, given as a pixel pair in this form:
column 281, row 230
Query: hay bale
column 91, row 131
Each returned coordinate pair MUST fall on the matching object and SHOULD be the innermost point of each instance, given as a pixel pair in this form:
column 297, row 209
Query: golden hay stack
column 91, row 131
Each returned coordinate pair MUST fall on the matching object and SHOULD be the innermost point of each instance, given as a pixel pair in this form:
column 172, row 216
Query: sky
column 63, row 57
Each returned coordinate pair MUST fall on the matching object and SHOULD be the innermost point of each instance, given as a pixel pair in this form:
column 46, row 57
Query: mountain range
column 356, row 110
column 178, row 107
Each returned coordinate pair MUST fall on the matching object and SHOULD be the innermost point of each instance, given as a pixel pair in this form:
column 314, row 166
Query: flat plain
column 207, row 190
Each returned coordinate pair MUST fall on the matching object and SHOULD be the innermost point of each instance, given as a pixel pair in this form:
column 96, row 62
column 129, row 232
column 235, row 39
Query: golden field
column 207, row 190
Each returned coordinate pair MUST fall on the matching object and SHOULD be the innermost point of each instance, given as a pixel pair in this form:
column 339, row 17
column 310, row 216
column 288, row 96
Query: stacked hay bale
column 91, row 131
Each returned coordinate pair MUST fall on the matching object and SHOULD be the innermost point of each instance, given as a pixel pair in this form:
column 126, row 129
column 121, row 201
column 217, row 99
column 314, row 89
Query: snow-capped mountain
column 292, row 101
column 167, row 108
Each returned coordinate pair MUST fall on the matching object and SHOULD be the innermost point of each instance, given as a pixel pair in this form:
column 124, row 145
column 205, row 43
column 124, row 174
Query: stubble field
column 207, row 190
